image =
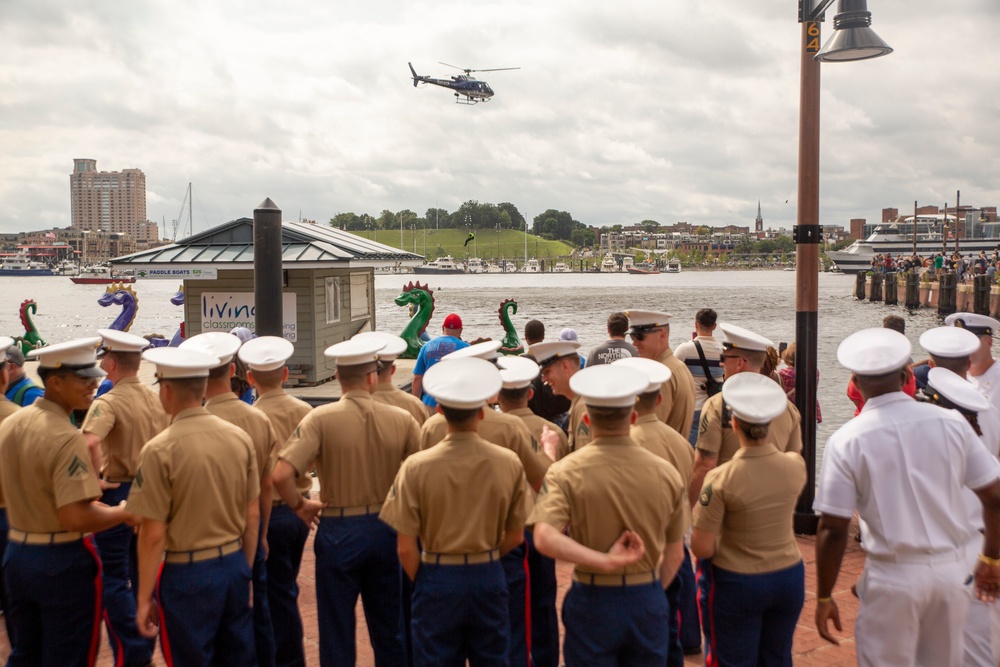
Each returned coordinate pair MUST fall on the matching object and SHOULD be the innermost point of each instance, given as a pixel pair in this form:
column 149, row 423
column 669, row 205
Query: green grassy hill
column 488, row 244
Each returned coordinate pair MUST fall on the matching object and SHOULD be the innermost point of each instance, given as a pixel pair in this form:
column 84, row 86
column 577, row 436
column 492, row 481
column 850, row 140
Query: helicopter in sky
column 464, row 85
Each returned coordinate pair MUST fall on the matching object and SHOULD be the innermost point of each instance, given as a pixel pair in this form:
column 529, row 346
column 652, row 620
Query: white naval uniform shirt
column 903, row 465
column 989, row 424
column 988, row 383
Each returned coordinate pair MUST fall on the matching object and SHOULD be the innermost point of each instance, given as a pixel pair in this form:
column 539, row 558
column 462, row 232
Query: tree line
column 472, row 215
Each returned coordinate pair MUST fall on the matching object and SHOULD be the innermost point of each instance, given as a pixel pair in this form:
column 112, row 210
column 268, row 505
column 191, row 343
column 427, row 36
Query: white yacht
column 20, row 265
column 533, row 266
column 561, row 268
column 608, row 264
column 441, row 265
column 674, row 266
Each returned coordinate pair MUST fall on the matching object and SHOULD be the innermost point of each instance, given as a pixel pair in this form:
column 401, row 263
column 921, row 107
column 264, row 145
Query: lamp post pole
column 807, row 239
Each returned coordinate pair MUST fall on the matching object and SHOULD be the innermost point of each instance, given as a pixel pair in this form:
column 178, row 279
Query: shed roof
column 304, row 245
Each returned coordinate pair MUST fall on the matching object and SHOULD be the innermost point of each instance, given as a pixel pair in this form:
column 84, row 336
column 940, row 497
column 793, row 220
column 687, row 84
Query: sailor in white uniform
column 902, row 464
column 984, row 372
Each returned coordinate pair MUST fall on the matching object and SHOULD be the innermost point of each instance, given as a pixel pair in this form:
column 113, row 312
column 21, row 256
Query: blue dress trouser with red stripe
column 263, row 631
column 687, row 609
column 544, row 617
column 515, row 568
column 460, row 613
column 357, row 556
column 749, row 619
column 53, row 604
column 286, row 538
column 205, row 614
column 118, row 558
column 610, row 626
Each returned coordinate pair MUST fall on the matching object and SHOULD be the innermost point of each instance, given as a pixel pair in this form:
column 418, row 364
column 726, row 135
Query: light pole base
column 805, row 523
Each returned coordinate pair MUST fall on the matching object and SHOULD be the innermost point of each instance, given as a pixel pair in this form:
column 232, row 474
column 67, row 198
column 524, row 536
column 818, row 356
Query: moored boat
column 100, row 275
column 20, row 265
column 440, row 265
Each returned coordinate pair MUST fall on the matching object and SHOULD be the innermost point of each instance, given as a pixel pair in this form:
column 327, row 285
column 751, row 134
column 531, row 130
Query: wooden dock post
column 860, row 280
column 912, row 298
column 981, row 295
column 948, row 287
column 891, row 292
column 876, row 293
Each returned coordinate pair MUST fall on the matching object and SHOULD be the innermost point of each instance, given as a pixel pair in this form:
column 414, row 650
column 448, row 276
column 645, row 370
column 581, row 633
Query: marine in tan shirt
column 466, row 500
column 559, row 362
column 625, row 512
column 52, row 604
column 119, row 423
column 197, row 488
column 653, row 435
column 357, row 445
column 285, row 413
column 744, row 352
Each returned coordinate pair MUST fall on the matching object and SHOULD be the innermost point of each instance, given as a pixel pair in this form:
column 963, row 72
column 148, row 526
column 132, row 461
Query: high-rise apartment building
column 110, row 201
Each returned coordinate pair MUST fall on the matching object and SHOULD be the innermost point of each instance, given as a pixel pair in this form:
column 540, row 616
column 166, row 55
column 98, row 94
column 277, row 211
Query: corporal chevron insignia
column 78, row 469
column 138, row 478
column 706, row 496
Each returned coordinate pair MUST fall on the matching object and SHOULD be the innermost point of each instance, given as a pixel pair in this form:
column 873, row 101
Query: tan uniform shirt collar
column 617, row 440
column 190, row 412
column 269, row 394
column 386, row 386
column 51, row 406
column 222, row 398
column 521, row 412
column 645, row 419
column 666, row 354
column 756, row 450
column 357, row 395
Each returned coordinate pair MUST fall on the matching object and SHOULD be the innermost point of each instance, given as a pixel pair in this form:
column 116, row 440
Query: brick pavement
column 809, row 648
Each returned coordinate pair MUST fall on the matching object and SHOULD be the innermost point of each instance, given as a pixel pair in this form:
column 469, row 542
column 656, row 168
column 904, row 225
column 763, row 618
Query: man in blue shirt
column 433, row 350
column 21, row 390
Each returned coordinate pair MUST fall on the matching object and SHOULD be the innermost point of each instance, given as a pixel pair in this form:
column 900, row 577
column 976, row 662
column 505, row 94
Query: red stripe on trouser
column 168, row 657
column 711, row 657
column 120, row 660
column 95, row 634
column 527, row 604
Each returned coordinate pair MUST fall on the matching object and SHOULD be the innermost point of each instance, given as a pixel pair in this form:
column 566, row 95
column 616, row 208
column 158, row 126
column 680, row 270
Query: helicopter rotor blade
column 496, row 69
column 455, row 67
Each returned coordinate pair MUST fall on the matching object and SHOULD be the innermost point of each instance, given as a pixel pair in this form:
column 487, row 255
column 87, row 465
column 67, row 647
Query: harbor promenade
column 809, row 649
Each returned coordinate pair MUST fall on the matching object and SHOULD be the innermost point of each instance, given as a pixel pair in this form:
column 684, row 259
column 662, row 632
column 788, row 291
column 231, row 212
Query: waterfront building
column 110, row 201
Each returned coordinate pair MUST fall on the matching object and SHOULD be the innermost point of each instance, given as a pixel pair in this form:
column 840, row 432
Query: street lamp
column 853, row 39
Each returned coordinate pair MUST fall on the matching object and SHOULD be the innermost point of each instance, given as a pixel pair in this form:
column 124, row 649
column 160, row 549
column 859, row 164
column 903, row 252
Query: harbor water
column 763, row 301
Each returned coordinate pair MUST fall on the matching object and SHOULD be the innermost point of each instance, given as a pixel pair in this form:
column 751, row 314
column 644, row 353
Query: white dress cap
column 643, row 320
column 355, row 352
column 754, row 398
column 486, row 350
column 951, row 342
column 547, row 352
column 609, row 385
column 956, row 389
column 977, row 324
column 5, row 342
column 175, row 363
column 79, row 356
column 394, row 345
column 266, row 353
column 463, row 384
column 222, row 346
column 874, row 351
column 654, row 370
column 122, row 341
column 743, row 339
column 517, row 372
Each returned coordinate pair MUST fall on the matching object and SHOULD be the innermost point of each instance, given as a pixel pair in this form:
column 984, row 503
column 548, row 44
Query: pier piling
column 876, row 292
column 860, row 280
column 912, row 297
column 267, row 282
column 981, row 295
column 947, row 291
column 891, row 290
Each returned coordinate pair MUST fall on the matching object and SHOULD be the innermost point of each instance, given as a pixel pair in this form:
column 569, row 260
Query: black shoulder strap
column 704, row 361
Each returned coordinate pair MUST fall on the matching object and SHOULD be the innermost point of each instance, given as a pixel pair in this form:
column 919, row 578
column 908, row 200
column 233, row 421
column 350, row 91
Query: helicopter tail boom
column 416, row 77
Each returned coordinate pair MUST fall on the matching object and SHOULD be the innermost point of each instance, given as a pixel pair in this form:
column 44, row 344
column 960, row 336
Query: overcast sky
column 622, row 111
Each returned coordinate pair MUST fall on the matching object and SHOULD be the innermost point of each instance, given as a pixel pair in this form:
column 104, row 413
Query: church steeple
column 759, row 222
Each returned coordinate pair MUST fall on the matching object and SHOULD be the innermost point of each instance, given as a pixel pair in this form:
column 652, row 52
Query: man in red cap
column 433, row 350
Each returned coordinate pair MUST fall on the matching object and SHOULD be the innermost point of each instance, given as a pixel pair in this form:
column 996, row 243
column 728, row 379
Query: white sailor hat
column 355, row 352
column 609, row 385
column 486, row 350
column 394, row 345
column 754, row 398
column 739, row 338
column 78, row 356
column 517, row 372
column 222, row 346
column 647, row 320
column 951, row 342
column 654, row 370
column 957, row 390
column 5, row 343
column 266, row 353
column 175, row 363
column 463, row 384
column 548, row 352
column 874, row 351
column 981, row 325
column 122, row 341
